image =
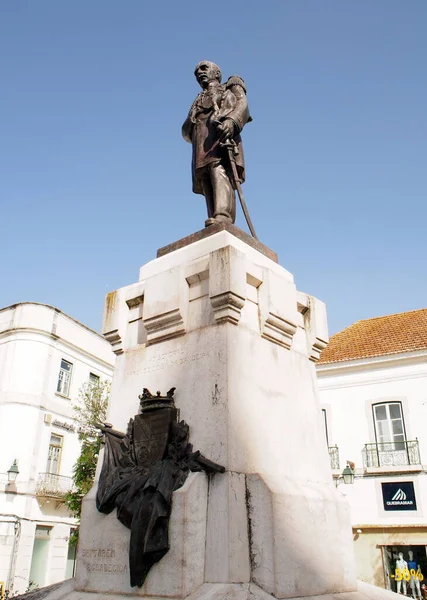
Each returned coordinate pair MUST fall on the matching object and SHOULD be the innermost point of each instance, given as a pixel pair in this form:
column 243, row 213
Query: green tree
column 90, row 409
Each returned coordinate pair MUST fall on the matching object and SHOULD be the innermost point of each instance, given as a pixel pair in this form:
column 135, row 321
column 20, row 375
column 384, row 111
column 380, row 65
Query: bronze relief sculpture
column 140, row 472
column 213, row 126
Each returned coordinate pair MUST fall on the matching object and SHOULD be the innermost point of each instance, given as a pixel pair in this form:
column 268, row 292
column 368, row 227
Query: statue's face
column 206, row 72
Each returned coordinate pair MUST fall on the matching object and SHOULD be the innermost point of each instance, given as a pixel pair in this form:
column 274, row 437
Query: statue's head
column 207, row 71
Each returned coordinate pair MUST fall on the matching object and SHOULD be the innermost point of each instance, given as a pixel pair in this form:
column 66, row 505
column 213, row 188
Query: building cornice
column 40, row 521
column 57, row 310
column 375, row 362
column 18, row 331
column 42, row 408
column 341, row 381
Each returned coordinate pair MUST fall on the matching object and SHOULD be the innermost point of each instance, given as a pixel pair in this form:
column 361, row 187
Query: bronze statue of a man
column 217, row 117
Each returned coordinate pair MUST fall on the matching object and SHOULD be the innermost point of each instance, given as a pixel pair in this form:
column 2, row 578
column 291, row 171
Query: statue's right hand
column 225, row 130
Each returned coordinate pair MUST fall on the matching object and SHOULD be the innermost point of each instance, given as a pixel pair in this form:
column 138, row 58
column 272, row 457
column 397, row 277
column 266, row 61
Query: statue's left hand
column 225, row 130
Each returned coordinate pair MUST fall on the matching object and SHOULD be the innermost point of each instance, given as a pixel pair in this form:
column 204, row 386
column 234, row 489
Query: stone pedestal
column 222, row 322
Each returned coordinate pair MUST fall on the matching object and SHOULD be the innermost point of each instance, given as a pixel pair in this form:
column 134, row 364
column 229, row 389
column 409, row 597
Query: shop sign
column 63, row 425
column 399, row 496
column 407, row 574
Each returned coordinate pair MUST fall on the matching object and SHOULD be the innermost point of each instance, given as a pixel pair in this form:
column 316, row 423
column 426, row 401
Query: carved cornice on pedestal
column 315, row 323
column 165, row 306
column 164, row 326
column 227, row 284
column 317, row 348
column 278, row 330
column 135, row 301
column 227, row 307
column 121, row 307
column 278, row 309
column 115, row 340
column 111, row 320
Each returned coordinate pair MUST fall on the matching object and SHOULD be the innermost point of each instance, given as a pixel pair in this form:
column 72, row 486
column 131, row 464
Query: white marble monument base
column 209, row 591
column 224, row 324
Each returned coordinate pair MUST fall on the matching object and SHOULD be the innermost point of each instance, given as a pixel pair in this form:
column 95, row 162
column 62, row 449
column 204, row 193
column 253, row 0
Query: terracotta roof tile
column 392, row 334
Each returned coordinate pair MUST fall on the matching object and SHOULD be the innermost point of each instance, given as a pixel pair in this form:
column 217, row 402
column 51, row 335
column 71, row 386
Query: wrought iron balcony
column 53, row 486
column 391, row 454
column 334, row 457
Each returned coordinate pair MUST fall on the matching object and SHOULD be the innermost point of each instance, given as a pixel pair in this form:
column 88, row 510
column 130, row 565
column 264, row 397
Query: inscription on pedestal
column 101, row 565
column 98, row 553
column 105, row 568
column 166, row 361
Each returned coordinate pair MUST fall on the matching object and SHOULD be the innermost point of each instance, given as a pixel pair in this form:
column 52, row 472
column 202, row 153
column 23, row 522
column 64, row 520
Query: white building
column 45, row 357
column 373, row 390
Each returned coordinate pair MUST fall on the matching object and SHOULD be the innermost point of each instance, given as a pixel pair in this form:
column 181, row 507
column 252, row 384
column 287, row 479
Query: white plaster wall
column 26, row 369
column 33, row 340
column 7, row 536
column 28, row 316
column 58, row 552
column 347, row 392
column 18, row 424
column 24, row 555
column 366, row 502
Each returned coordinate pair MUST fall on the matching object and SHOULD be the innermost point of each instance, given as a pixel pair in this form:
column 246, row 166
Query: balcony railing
column 391, row 454
column 334, row 457
column 53, row 486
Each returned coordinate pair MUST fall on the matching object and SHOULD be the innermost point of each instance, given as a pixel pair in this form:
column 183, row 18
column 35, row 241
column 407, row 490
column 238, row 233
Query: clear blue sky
column 94, row 174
